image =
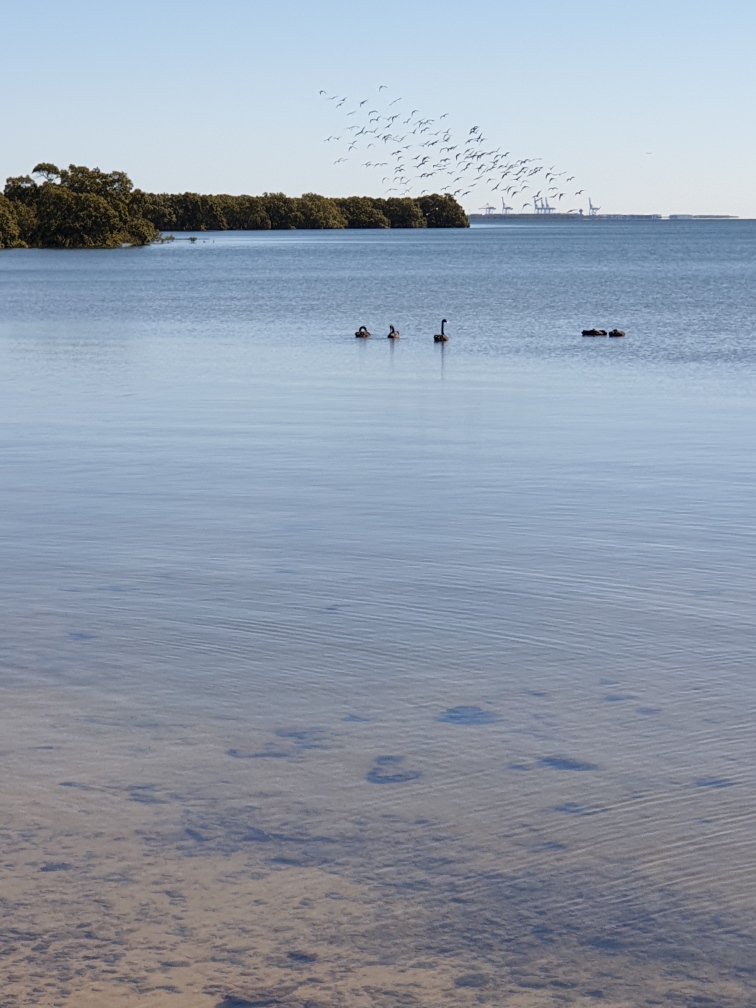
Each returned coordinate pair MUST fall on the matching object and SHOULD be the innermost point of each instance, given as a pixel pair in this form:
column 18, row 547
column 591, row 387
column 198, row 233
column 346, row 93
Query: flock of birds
column 418, row 154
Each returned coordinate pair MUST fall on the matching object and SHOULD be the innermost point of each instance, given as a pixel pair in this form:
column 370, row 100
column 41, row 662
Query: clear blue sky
column 222, row 96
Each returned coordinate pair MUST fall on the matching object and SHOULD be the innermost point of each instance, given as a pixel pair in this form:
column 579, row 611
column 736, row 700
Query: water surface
column 359, row 673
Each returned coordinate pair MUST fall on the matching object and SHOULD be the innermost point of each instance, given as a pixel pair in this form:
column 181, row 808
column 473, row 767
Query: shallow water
column 360, row 673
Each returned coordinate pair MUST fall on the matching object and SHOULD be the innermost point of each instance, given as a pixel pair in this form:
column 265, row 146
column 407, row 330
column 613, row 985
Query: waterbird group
column 602, row 332
column 364, row 333
column 419, row 154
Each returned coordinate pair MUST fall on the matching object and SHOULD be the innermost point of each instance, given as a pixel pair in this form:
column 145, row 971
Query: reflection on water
column 344, row 673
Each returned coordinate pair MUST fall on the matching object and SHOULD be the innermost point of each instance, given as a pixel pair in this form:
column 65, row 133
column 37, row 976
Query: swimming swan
column 441, row 337
column 362, row 333
column 393, row 333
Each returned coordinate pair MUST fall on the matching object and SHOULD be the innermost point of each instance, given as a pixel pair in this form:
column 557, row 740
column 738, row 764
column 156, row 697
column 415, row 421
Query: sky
column 648, row 103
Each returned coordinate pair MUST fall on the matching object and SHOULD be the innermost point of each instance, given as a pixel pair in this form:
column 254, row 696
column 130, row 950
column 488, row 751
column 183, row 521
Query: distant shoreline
column 545, row 218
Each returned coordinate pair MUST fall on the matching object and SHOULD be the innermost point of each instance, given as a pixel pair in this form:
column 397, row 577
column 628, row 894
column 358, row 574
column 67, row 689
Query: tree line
column 79, row 207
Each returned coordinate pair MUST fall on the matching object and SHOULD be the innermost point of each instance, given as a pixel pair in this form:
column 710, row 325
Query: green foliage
column 158, row 208
column 21, row 189
column 362, row 212
column 77, row 207
column 80, row 207
column 442, row 211
column 10, row 232
column 320, row 212
column 401, row 212
column 79, row 179
column 244, row 213
column 283, row 212
column 27, row 222
column 75, row 220
column 194, row 212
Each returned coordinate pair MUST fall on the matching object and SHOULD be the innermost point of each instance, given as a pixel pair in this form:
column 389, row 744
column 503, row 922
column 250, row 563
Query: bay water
column 344, row 672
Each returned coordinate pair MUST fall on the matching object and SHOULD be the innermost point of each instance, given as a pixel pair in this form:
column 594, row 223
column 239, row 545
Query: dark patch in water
column 606, row 944
column 239, row 1002
column 82, row 636
column 254, row 835
column 74, row 784
column 56, row 866
column 193, row 834
column 519, row 766
column 714, row 782
column 386, row 771
column 618, row 697
column 468, row 716
column 572, row 808
column 647, row 710
column 472, row 980
column 146, row 798
column 267, row 754
column 303, row 738
column 355, row 717
column 564, row 763
column 543, row 933
column 378, row 776
column 302, row 957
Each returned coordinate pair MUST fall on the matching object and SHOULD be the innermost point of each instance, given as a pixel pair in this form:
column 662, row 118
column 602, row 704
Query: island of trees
column 79, row 207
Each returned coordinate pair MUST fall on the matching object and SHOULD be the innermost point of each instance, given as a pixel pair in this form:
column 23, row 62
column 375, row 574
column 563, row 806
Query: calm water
column 370, row 674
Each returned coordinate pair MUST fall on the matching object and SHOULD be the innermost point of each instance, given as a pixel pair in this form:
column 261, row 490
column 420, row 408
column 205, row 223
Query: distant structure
column 592, row 210
column 506, row 210
column 488, row 210
column 542, row 206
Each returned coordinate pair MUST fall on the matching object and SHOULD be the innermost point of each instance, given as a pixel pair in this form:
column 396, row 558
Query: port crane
column 487, row 210
column 592, row 210
column 504, row 208
column 541, row 205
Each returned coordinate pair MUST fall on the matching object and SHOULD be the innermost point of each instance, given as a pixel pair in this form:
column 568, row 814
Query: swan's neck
column 442, row 328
